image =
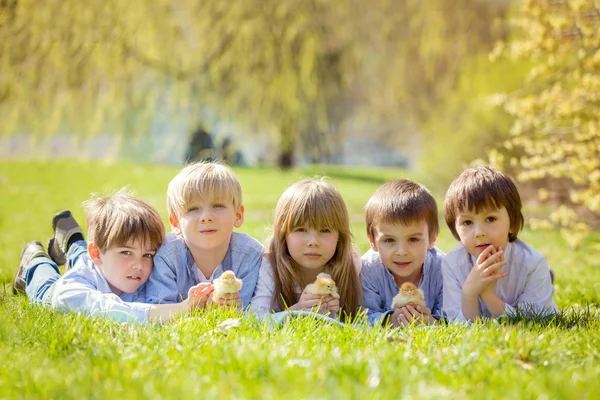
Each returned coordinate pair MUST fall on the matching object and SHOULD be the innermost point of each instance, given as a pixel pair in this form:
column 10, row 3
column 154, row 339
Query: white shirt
column 527, row 286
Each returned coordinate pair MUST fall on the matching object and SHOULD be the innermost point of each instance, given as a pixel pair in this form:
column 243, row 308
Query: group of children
column 130, row 271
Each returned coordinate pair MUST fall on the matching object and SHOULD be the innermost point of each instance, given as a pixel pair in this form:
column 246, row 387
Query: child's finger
column 484, row 254
column 491, row 260
column 492, row 269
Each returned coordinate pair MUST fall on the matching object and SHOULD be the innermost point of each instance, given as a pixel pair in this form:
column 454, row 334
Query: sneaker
column 32, row 250
column 64, row 226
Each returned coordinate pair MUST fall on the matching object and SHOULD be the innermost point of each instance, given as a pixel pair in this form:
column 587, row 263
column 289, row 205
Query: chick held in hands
column 324, row 285
column 409, row 294
column 227, row 284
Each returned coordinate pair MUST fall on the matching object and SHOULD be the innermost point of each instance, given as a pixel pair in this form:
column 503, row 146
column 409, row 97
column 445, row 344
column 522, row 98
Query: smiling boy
column 402, row 227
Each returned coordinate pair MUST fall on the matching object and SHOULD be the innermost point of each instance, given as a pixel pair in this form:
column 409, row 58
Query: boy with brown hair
column 491, row 272
column 402, row 227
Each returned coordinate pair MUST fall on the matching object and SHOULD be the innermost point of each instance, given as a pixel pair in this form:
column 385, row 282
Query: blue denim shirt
column 379, row 286
column 175, row 271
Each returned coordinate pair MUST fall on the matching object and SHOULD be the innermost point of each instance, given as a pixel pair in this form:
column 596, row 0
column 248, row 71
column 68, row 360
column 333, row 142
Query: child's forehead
column 418, row 225
column 210, row 198
column 481, row 210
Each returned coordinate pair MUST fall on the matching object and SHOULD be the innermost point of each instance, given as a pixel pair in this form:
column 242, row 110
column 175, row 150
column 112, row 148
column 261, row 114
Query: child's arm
column 162, row 287
column 249, row 269
column 263, row 293
column 197, row 298
column 377, row 311
column 452, row 293
column 483, row 276
column 538, row 296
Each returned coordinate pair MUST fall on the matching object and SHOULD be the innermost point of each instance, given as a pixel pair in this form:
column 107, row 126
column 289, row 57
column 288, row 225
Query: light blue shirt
column 175, row 270
column 527, row 285
column 379, row 286
column 84, row 289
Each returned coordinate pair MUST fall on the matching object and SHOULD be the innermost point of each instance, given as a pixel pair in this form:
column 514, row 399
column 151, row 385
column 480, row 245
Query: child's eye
column 126, row 252
column 325, row 230
column 149, row 255
column 300, row 230
column 388, row 240
column 491, row 219
column 219, row 205
column 467, row 222
column 413, row 240
column 192, row 209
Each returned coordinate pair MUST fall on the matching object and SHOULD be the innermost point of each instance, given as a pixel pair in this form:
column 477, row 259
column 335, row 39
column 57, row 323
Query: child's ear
column 94, row 253
column 239, row 217
column 372, row 243
column 432, row 243
column 174, row 224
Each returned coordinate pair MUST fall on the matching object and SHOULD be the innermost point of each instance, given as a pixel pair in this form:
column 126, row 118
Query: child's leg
column 66, row 232
column 37, row 273
column 75, row 252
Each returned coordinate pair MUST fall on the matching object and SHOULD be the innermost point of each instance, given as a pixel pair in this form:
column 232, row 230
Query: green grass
column 46, row 354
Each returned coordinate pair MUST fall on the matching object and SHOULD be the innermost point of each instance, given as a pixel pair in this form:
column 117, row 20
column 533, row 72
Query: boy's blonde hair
column 402, row 201
column 483, row 188
column 202, row 181
column 316, row 204
column 115, row 220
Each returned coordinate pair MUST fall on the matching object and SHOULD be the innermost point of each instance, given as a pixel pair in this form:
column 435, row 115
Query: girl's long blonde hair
column 316, row 204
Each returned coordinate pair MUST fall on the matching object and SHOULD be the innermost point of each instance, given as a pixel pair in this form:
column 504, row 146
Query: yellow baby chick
column 226, row 284
column 324, row 285
column 409, row 294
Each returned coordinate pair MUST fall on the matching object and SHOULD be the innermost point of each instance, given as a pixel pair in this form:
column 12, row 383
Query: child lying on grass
column 108, row 274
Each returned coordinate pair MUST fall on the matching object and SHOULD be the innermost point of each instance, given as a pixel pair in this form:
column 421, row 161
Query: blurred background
column 428, row 85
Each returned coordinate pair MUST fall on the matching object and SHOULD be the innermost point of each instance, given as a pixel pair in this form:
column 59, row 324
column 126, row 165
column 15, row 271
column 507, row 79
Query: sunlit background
column 428, row 85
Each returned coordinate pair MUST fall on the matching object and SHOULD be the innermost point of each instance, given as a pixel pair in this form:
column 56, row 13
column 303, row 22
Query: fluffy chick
column 408, row 294
column 226, row 284
column 324, row 285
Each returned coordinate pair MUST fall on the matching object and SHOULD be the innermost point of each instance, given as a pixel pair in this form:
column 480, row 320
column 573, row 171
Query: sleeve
column 538, row 296
column 161, row 287
column 81, row 296
column 438, row 312
column 451, row 294
column 372, row 298
column 250, row 275
column 263, row 293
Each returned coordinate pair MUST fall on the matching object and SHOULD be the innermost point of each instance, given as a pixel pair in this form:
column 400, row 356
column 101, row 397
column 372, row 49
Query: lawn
column 47, row 354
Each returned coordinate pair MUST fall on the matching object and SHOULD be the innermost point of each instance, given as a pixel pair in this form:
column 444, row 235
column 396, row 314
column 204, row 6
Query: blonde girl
column 311, row 234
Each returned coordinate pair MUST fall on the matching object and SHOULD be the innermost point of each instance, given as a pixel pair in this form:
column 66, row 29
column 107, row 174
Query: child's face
column 478, row 230
column 125, row 268
column 208, row 224
column 312, row 248
column 402, row 248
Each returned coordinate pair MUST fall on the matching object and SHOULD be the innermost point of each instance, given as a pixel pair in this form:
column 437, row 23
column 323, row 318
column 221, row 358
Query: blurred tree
column 557, row 112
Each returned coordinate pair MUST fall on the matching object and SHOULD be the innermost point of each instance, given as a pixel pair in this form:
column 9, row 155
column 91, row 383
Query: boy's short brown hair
column 115, row 220
column 483, row 188
column 402, row 201
column 202, row 180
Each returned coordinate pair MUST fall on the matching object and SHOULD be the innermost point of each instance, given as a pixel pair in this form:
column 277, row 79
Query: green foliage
column 556, row 127
column 49, row 354
column 468, row 123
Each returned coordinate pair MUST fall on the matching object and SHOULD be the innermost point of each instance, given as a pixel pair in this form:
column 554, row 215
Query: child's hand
column 311, row 302
column 409, row 314
column 486, row 271
column 228, row 300
column 198, row 295
column 333, row 304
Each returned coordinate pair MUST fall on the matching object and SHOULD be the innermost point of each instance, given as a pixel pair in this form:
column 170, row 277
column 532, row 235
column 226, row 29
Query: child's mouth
column 208, row 231
column 483, row 246
column 313, row 256
column 134, row 278
column 402, row 264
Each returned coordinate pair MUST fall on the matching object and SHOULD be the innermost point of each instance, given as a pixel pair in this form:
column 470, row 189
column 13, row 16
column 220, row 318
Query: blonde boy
column 402, row 227
column 108, row 271
column 204, row 202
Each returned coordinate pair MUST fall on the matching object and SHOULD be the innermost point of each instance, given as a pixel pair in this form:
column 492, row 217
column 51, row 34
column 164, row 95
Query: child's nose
column 479, row 231
column 312, row 240
column 206, row 217
column 401, row 251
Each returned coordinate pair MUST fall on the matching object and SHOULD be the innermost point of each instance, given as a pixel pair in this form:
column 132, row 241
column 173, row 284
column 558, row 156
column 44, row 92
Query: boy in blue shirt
column 107, row 273
column 402, row 227
column 204, row 202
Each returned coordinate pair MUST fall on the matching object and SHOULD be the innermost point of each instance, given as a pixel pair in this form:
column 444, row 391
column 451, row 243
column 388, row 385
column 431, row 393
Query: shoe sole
column 56, row 254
